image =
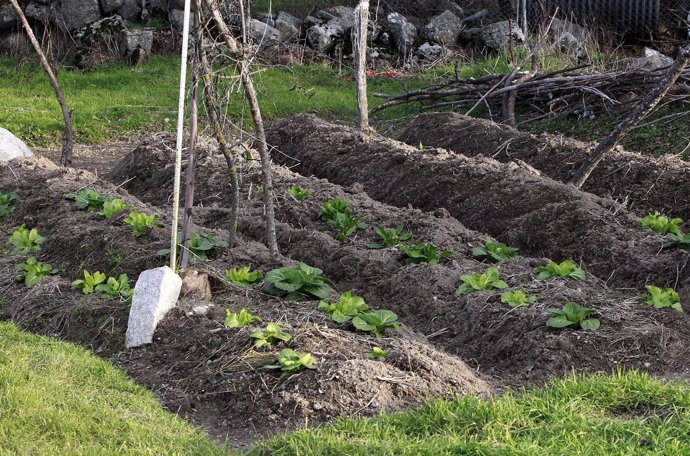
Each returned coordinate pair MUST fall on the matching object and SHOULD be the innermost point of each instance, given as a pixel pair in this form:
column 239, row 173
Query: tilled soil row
column 541, row 216
column 645, row 184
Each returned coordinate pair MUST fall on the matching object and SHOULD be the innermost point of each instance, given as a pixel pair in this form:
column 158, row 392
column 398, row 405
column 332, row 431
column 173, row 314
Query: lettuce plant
column 679, row 241
column 487, row 281
column 661, row 224
column 273, row 334
column 493, row 251
column 26, row 241
column 291, row 362
column 517, row 298
column 572, row 315
column 345, row 309
column 87, row 199
column 243, row 277
column 88, row 284
column 298, row 284
column 243, row 318
column 298, row 192
column 7, row 201
column 115, row 288
column 376, row 322
column 390, row 238
column 32, row 271
column 141, row 223
column 337, row 214
column 113, row 208
column 332, row 207
column 567, row 269
column 423, row 252
column 661, row 299
column 377, row 353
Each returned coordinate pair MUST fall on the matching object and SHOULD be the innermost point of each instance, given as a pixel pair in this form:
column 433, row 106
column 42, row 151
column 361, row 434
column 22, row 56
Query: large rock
column 263, row 33
column 8, row 18
column 110, row 6
column 72, row 15
column 444, row 28
column 343, row 14
column 136, row 45
column 403, row 31
column 288, row 26
column 12, row 147
column 38, row 12
column 429, row 52
column 499, row 35
column 323, row 37
column 650, row 60
column 155, row 293
column 130, row 10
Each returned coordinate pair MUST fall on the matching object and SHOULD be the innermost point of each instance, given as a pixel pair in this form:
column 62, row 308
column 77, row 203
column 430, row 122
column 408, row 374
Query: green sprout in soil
column 517, row 298
column 273, row 334
column 243, row 277
column 116, row 288
column 113, row 208
column 572, row 315
column 243, row 318
column 87, row 199
column 32, row 271
column 376, row 322
column 345, row 309
column 567, row 269
column 487, row 281
column 339, row 217
column 661, row 224
column 88, row 284
column 390, row 238
column 493, row 251
column 679, row 241
column 141, row 223
column 26, row 241
column 423, row 252
column 300, row 283
column 298, row 192
column 7, row 201
column 377, row 353
column 661, row 299
column 291, row 362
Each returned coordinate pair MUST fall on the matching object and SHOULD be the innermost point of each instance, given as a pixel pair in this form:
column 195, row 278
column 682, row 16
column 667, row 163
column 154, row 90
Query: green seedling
column 32, row 271
column 243, row 318
column 661, row 224
column 141, row 223
column 201, row 246
column 377, row 353
column 26, row 241
column 7, row 201
column 517, row 299
column 345, row 224
column 273, row 334
column 115, row 288
column 260, row 190
column 376, row 322
column 487, row 281
column 88, row 284
column 572, row 315
column 661, row 299
column 298, row 192
column 567, row 269
column 113, row 208
column 291, row 362
column 298, row 284
column 332, row 207
column 345, row 309
column 243, row 277
column 390, row 238
column 493, row 251
column 87, row 199
column 679, row 241
column 423, row 252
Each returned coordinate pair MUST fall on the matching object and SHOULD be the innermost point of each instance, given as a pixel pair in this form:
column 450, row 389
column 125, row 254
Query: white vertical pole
column 180, row 132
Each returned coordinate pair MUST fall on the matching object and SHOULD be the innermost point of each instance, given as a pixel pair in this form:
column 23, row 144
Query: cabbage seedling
column 298, row 192
column 376, row 322
column 661, row 224
column 423, row 252
column 679, row 241
column 141, row 223
column 493, row 251
column 517, row 298
column 572, row 315
column 291, row 362
column 390, row 238
column 87, row 199
column 661, row 299
column 377, row 353
column 26, row 241
column 487, row 281
column 243, row 318
column 32, row 271
column 115, row 287
column 243, row 277
column 88, row 284
column 567, row 269
column 113, row 208
column 346, row 308
column 298, row 284
column 273, row 334
column 7, row 201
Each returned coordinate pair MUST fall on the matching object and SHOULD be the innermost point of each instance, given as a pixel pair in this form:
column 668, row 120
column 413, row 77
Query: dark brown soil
column 541, row 216
column 644, row 184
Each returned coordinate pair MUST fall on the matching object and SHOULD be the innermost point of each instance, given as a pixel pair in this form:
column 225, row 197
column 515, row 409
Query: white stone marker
column 12, row 147
column 155, row 293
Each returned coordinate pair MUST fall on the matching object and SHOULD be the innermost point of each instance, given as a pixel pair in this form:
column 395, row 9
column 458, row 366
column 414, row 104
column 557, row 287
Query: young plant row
column 299, row 283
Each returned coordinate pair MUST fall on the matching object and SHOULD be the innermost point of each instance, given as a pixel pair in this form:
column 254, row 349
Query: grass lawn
column 58, row 399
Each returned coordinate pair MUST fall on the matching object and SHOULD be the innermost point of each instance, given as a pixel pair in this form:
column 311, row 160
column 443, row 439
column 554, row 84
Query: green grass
column 624, row 414
column 58, row 399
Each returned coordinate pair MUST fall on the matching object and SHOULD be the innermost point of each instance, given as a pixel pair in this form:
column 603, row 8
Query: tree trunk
column 191, row 163
column 67, row 141
column 643, row 109
column 359, row 48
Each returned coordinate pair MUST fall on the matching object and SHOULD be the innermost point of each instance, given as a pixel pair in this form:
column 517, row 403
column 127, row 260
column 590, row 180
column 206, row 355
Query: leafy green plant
column 661, row 299
column 566, row 269
column 243, row 277
column 273, row 334
column 201, row 246
column 517, row 298
column 377, row 353
column 299, row 283
column 345, row 224
column 390, row 238
column 113, row 208
column 243, row 318
column 141, row 223
column 332, row 207
column 423, row 252
column 493, row 251
column 661, row 224
column 291, row 362
column 298, row 192
column 87, row 199
column 32, row 271
column 114, row 288
column 346, row 308
column 572, row 314
column 376, row 322
column 679, row 241
column 7, row 201
column 88, row 284
column 487, row 281
column 26, row 241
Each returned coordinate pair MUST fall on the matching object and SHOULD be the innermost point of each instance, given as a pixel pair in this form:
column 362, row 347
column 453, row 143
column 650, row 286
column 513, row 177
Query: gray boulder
column 262, row 33
column 136, row 45
column 12, row 147
column 266, row 18
column 444, row 28
column 323, row 38
column 499, row 35
column 130, row 10
column 429, row 52
column 288, row 26
column 650, row 60
column 8, row 18
column 110, row 6
column 176, row 19
column 72, row 15
column 38, row 12
column 403, row 31
column 559, row 27
column 343, row 14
